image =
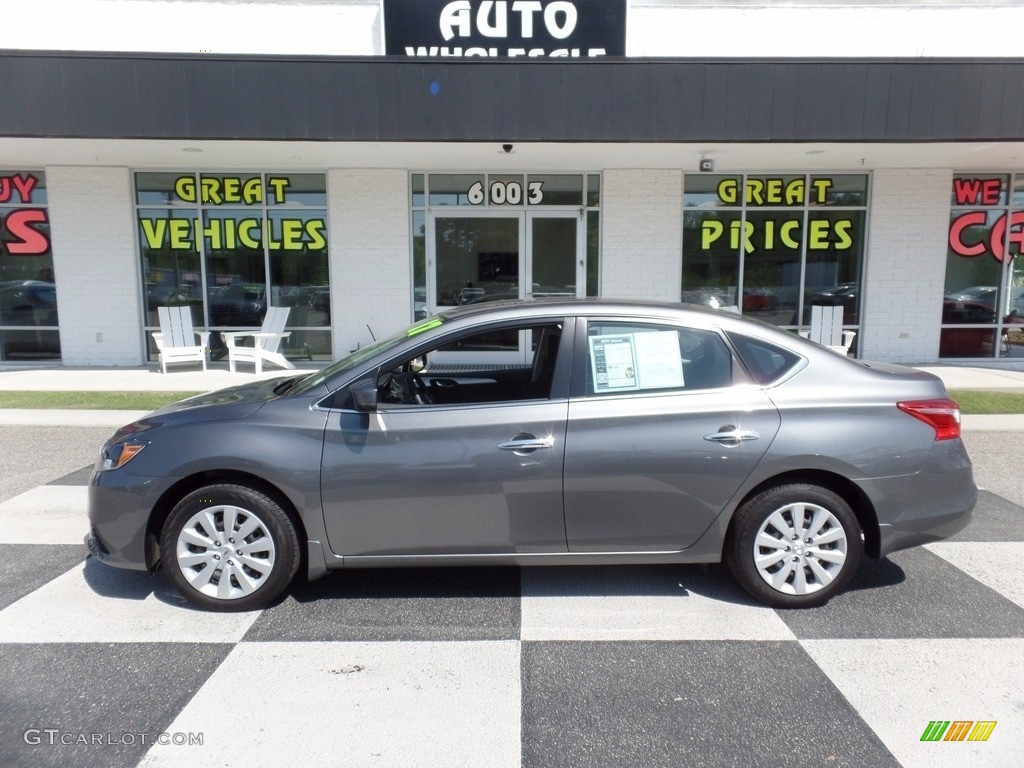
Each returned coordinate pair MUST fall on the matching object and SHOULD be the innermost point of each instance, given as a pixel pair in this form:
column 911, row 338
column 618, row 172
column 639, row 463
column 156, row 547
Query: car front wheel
column 794, row 546
column 229, row 548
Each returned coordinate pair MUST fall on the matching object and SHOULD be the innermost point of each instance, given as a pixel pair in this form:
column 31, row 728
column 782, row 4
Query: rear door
column 662, row 431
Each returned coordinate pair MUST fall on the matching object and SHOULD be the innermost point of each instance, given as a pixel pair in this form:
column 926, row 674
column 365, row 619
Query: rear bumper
column 932, row 505
column 924, row 530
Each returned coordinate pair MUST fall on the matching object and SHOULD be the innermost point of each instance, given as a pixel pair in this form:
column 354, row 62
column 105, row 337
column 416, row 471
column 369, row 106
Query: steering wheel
column 420, row 390
column 405, row 388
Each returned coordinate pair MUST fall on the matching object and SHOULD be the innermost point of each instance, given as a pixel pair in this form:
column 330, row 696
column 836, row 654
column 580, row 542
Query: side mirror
column 364, row 395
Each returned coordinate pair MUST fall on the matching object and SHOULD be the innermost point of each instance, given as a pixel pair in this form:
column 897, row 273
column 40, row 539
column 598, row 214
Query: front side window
column 773, row 246
column 627, row 358
column 430, row 378
column 28, row 287
column 229, row 245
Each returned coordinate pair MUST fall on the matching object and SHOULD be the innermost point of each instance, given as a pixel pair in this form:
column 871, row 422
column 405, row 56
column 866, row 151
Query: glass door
column 479, row 256
column 476, row 258
column 556, row 267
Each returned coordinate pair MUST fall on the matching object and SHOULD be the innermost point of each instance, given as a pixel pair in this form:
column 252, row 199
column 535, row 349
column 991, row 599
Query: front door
column 556, row 248
column 485, row 256
column 435, row 480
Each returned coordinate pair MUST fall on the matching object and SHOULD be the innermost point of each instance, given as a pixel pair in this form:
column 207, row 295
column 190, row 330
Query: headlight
column 116, row 455
column 122, row 447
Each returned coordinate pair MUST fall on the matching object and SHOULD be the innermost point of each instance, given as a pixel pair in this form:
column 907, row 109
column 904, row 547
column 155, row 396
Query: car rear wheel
column 229, row 548
column 794, row 546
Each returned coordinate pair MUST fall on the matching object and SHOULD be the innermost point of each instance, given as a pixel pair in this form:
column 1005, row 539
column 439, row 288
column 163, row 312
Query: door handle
column 730, row 435
column 525, row 443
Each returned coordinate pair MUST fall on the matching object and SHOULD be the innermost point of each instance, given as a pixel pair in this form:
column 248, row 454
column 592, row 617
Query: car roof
column 526, row 307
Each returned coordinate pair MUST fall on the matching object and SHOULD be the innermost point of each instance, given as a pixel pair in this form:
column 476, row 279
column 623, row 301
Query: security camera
column 707, row 165
column 507, row 148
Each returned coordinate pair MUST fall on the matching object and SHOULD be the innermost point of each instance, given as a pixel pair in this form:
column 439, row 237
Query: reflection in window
column 230, row 245
column 775, row 245
column 983, row 301
column 28, row 289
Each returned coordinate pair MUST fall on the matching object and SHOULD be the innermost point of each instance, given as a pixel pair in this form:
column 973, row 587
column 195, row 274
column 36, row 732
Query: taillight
column 941, row 415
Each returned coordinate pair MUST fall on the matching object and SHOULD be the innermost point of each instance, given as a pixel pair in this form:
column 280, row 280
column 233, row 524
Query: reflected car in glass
column 550, row 432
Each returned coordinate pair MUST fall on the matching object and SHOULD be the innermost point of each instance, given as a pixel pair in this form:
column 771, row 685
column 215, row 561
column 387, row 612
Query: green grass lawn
column 117, row 401
column 979, row 402
column 971, row 401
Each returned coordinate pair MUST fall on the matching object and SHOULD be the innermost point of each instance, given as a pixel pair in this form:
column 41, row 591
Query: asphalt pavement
column 532, row 668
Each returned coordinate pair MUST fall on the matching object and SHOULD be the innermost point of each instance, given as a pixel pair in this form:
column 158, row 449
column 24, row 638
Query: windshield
column 360, row 356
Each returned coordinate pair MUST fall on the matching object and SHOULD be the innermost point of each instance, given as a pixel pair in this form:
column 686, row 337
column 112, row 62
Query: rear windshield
column 765, row 362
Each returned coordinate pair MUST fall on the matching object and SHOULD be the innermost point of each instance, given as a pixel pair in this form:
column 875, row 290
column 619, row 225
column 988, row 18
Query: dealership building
column 367, row 163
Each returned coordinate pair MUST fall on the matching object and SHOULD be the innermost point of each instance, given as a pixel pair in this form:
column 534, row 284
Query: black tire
column 800, row 572
column 216, row 570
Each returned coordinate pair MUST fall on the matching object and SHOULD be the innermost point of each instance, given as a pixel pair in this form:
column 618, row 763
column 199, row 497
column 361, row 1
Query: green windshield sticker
column 426, row 325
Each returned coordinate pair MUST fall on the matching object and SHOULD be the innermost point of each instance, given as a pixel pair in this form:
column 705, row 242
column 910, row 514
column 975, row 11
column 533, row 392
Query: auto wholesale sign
column 505, row 28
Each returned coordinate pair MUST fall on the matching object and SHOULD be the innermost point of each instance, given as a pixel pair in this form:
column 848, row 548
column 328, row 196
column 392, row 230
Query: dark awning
column 159, row 96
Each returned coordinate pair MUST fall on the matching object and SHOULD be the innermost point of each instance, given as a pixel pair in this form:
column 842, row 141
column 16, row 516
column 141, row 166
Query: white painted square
column 622, row 604
column 49, row 514
column 899, row 686
column 356, row 704
column 95, row 603
column 998, row 565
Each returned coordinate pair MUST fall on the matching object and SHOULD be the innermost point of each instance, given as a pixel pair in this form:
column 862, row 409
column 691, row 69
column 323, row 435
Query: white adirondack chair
column 265, row 342
column 176, row 339
column 827, row 329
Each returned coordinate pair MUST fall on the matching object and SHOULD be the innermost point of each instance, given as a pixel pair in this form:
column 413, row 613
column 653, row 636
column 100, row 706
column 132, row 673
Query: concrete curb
column 1013, row 422
column 28, row 417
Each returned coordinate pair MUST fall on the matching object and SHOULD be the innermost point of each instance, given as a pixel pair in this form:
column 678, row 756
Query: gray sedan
column 540, row 433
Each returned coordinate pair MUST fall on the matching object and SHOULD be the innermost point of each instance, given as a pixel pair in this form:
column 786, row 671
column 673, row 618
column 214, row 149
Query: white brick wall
column 642, row 234
column 906, row 265
column 371, row 261
column 95, row 265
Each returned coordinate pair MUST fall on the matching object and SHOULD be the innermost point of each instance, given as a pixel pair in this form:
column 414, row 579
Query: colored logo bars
column 958, row 730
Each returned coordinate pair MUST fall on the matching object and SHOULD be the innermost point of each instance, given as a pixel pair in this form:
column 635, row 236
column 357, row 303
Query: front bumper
column 120, row 506
column 95, row 546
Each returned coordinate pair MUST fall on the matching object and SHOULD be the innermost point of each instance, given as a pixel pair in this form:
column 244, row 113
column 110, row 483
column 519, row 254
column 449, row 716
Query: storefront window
column 28, row 289
column 775, row 245
column 230, row 245
column 983, row 305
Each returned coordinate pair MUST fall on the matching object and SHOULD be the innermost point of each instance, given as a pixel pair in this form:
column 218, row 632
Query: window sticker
column 633, row 361
column 659, row 361
column 613, row 360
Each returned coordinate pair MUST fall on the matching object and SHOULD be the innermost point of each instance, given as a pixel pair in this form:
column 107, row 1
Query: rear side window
column 765, row 362
column 637, row 357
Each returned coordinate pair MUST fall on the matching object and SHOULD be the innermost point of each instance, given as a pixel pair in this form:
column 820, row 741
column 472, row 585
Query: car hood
column 220, row 405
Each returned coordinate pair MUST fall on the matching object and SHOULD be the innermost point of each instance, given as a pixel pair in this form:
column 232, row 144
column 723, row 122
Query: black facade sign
column 505, row 28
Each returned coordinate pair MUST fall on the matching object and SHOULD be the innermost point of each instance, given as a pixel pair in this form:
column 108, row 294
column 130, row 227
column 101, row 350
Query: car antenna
column 371, row 332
